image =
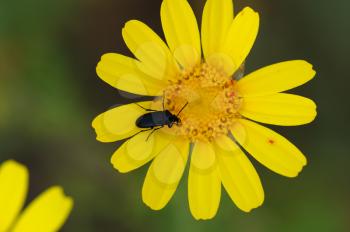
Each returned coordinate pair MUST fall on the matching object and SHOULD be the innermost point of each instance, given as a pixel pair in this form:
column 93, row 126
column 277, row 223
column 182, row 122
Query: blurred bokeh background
column 49, row 94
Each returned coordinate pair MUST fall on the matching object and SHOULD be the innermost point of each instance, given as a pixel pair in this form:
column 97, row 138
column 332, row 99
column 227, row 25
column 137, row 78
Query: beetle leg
column 153, row 132
column 145, row 108
column 140, row 132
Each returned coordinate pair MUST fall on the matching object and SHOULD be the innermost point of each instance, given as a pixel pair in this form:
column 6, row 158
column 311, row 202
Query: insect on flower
column 219, row 107
column 157, row 119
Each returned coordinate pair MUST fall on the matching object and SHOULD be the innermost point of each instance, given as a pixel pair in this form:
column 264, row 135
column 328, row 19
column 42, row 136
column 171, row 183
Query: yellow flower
column 218, row 111
column 46, row 213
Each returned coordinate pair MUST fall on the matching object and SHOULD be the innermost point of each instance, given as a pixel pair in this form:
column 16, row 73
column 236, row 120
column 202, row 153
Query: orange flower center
column 212, row 102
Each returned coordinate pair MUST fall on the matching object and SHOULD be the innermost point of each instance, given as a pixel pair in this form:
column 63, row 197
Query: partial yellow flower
column 216, row 123
column 47, row 213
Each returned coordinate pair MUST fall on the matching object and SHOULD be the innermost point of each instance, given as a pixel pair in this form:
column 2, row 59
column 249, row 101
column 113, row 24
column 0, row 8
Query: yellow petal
column 204, row 185
column 124, row 74
column 13, row 191
column 279, row 109
column 181, row 32
column 164, row 174
column 139, row 150
column 216, row 20
column 119, row 122
column 269, row 148
column 276, row 78
column 47, row 213
column 145, row 44
column 238, row 175
column 241, row 36
column 203, row 156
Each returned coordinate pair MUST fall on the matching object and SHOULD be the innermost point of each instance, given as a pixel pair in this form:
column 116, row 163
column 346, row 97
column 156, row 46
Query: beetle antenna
column 163, row 99
column 182, row 109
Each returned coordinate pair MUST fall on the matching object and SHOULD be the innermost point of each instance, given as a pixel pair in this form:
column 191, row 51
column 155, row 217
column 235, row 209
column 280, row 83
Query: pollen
column 212, row 101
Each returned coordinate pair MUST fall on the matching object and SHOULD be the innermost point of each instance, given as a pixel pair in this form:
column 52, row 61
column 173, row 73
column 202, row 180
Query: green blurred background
column 49, row 94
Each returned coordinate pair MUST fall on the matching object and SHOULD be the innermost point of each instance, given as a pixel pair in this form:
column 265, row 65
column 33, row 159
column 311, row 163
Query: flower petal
column 118, row 123
column 181, row 32
column 216, row 20
column 204, row 185
column 13, row 191
column 47, row 213
column 279, row 109
column 139, row 150
column 269, row 148
column 276, row 78
column 123, row 73
column 164, row 174
column 241, row 36
column 145, row 44
column 238, row 175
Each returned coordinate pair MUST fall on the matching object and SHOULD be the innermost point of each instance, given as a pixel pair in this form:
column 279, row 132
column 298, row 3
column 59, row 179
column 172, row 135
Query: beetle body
column 157, row 119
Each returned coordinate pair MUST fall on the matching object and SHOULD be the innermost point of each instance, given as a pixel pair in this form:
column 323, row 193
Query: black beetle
column 156, row 120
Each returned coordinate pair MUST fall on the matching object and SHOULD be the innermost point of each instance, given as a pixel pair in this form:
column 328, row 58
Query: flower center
column 212, row 102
